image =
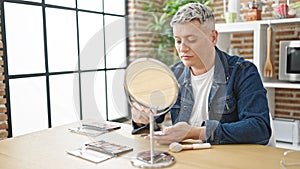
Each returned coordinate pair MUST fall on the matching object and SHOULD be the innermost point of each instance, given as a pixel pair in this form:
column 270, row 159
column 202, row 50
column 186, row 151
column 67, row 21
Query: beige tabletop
column 47, row 150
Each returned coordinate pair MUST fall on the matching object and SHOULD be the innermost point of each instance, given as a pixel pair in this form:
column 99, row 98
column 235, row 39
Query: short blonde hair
column 192, row 11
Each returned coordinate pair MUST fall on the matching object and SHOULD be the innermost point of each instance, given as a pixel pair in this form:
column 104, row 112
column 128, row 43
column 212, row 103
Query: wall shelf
column 259, row 30
column 287, row 85
column 252, row 25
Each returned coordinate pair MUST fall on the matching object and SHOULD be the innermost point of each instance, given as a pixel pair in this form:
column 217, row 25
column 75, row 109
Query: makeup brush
column 176, row 147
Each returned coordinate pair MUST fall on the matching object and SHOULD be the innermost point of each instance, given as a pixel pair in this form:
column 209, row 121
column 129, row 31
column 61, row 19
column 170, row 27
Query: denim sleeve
column 253, row 124
column 212, row 134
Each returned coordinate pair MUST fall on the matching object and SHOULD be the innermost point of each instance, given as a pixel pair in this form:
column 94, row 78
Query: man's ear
column 214, row 35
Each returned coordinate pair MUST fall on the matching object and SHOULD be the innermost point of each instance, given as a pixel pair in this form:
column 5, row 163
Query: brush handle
column 195, row 146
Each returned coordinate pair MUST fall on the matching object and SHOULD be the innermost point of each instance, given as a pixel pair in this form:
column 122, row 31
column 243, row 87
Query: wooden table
column 47, row 150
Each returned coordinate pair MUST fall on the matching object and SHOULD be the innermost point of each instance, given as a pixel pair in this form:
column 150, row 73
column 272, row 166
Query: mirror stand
column 153, row 159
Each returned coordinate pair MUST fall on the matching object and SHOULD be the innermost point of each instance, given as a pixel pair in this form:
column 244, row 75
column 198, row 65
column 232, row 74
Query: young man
column 221, row 98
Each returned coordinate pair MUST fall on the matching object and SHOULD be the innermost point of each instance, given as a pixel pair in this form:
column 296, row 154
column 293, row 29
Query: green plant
column 295, row 5
column 164, row 49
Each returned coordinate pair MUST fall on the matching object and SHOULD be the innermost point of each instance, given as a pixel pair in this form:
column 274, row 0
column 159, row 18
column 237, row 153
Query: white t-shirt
column 201, row 87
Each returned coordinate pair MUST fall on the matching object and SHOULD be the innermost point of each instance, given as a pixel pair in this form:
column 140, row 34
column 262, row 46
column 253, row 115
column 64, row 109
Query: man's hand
column 179, row 132
column 139, row 114
column 175, row 133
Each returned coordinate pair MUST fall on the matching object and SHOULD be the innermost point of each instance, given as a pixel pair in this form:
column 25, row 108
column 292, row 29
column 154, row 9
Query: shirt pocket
column 224, row 105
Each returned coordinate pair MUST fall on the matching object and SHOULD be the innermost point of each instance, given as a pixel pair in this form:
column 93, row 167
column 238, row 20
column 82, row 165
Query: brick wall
column 3, row 115
column 140, row 37
column 287, row 100
column 287, row 103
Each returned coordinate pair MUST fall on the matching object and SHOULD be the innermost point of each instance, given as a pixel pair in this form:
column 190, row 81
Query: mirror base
column 160, row 159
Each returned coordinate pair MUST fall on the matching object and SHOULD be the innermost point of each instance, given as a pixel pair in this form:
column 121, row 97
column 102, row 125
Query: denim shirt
column 237, row 104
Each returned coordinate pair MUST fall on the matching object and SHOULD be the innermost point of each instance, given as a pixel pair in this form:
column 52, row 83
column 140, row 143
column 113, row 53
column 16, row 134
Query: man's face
column 195, row 44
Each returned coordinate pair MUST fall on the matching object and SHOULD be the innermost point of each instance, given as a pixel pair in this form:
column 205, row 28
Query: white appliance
column 289, row 60
column 287, row 130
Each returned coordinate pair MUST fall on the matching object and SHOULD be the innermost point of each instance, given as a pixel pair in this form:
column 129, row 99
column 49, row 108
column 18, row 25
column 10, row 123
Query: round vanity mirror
column 151, row 84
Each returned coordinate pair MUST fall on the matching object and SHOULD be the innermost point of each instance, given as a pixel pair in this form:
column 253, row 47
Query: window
column 64, row 61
